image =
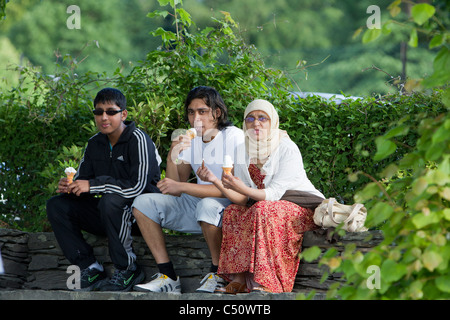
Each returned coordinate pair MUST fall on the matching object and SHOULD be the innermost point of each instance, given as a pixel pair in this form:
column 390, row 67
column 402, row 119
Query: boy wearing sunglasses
column 120, row 163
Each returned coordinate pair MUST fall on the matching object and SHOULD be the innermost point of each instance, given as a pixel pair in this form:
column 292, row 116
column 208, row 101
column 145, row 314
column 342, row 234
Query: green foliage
column 3, row 8
column 409, row 196
column 425, row 20
column 214, row 56
column 336, row 140
column 411, row 206
column 45, row 122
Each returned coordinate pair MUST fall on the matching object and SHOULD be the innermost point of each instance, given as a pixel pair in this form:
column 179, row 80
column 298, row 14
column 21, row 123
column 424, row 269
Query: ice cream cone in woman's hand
column 227, row 164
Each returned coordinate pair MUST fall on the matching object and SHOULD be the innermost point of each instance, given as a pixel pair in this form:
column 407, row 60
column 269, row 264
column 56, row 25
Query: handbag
column 302, row 198
column 331, row 213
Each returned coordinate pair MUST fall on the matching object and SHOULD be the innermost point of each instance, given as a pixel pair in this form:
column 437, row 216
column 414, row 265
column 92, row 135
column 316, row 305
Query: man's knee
column 56, row 207
column 210, row 210
column 113, row 203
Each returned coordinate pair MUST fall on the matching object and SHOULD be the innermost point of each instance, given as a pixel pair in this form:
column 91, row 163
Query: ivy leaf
column 384, row 148
column 413, row 39
column 397, row 131
column 392, row 271
column 157, row 13
column 421, row 220
column 440, row 74
column 371, row 35
column 431, row 260
column 422, row 12
column 185, row 16
column 379, row 213
column 443, row 283
column 436, row 41
column 311, row 254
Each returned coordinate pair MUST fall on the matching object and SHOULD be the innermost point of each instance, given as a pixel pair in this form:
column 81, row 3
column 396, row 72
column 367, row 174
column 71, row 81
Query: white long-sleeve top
column 284, row 171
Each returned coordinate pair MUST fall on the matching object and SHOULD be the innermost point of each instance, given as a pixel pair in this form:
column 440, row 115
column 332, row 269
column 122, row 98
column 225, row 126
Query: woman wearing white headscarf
column 262, row 234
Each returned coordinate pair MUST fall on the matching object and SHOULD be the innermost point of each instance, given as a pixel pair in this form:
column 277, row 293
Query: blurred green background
column 286, row 32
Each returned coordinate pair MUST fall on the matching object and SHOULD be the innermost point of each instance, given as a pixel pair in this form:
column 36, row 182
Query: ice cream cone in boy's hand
column 227, row 164
column 191, row 133
column 70, row 172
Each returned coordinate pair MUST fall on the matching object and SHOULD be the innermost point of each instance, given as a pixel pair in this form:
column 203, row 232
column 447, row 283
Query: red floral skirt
column 265, row 241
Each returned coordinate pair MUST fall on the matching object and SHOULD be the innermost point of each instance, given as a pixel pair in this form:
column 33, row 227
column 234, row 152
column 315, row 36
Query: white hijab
column 261, row 150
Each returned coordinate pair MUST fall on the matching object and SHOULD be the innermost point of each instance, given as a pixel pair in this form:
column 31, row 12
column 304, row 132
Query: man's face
column 110, row 125
column 201, row 117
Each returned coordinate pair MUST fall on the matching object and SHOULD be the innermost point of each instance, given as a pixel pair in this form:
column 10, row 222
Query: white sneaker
column 160, row 283
column 211, row 282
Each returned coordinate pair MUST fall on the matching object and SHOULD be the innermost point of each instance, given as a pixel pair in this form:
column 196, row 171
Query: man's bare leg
column 153, row 236
column 213, row 237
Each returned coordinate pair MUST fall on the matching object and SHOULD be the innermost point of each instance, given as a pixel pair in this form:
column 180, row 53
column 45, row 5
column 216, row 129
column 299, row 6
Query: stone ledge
column 34, row 260
column 72, row 295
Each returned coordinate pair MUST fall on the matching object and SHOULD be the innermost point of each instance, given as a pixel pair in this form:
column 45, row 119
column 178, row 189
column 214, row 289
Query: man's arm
column 178, row 173
column 142, row 164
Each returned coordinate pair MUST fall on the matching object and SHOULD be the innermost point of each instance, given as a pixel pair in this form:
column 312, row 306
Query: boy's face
column 201, row 116
column 111, row 125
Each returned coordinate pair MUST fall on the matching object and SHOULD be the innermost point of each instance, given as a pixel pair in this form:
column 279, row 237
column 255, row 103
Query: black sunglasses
column 99, row 112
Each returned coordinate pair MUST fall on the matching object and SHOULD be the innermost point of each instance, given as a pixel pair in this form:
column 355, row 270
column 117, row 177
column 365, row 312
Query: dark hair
column 212, row 99
column 112, row 96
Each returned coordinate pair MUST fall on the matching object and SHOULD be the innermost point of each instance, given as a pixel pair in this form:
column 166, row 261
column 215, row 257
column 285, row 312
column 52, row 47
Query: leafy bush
column 408, row 198
column 409, row 201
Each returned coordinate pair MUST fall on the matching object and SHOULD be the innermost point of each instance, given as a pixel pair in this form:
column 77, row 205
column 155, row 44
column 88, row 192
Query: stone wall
column 34, row 260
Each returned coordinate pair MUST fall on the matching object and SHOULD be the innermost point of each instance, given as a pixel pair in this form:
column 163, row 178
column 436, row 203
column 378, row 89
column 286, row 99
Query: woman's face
column 258, row 125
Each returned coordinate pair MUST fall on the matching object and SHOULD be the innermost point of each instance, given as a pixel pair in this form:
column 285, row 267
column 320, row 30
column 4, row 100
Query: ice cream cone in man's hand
column 191, row 133
column 70, row 173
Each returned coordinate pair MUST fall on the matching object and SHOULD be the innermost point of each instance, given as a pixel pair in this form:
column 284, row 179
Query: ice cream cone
column 70, row 172
column 70, row 177
column 191, row 133
column 227, row 164
column 227, row 170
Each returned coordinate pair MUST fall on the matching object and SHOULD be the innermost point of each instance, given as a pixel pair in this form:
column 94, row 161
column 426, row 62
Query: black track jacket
column 130, row 168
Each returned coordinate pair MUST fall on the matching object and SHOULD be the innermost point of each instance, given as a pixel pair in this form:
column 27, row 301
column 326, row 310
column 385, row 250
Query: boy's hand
column 78, row 187
column 205, row 174
column 180, row 143
column 62, row 185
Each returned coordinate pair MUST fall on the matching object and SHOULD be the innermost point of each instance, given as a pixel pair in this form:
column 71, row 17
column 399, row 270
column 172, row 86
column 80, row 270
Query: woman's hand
column 234, row 183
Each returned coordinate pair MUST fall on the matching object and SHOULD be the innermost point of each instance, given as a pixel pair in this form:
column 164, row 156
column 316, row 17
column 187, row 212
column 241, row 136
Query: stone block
column 43, row 262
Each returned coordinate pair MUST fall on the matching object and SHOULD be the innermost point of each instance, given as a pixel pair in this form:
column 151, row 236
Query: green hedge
column 335, row 140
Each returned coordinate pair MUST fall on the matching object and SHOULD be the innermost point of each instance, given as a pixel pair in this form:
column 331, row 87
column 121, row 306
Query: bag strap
column 331, row 201
column 354, row 212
